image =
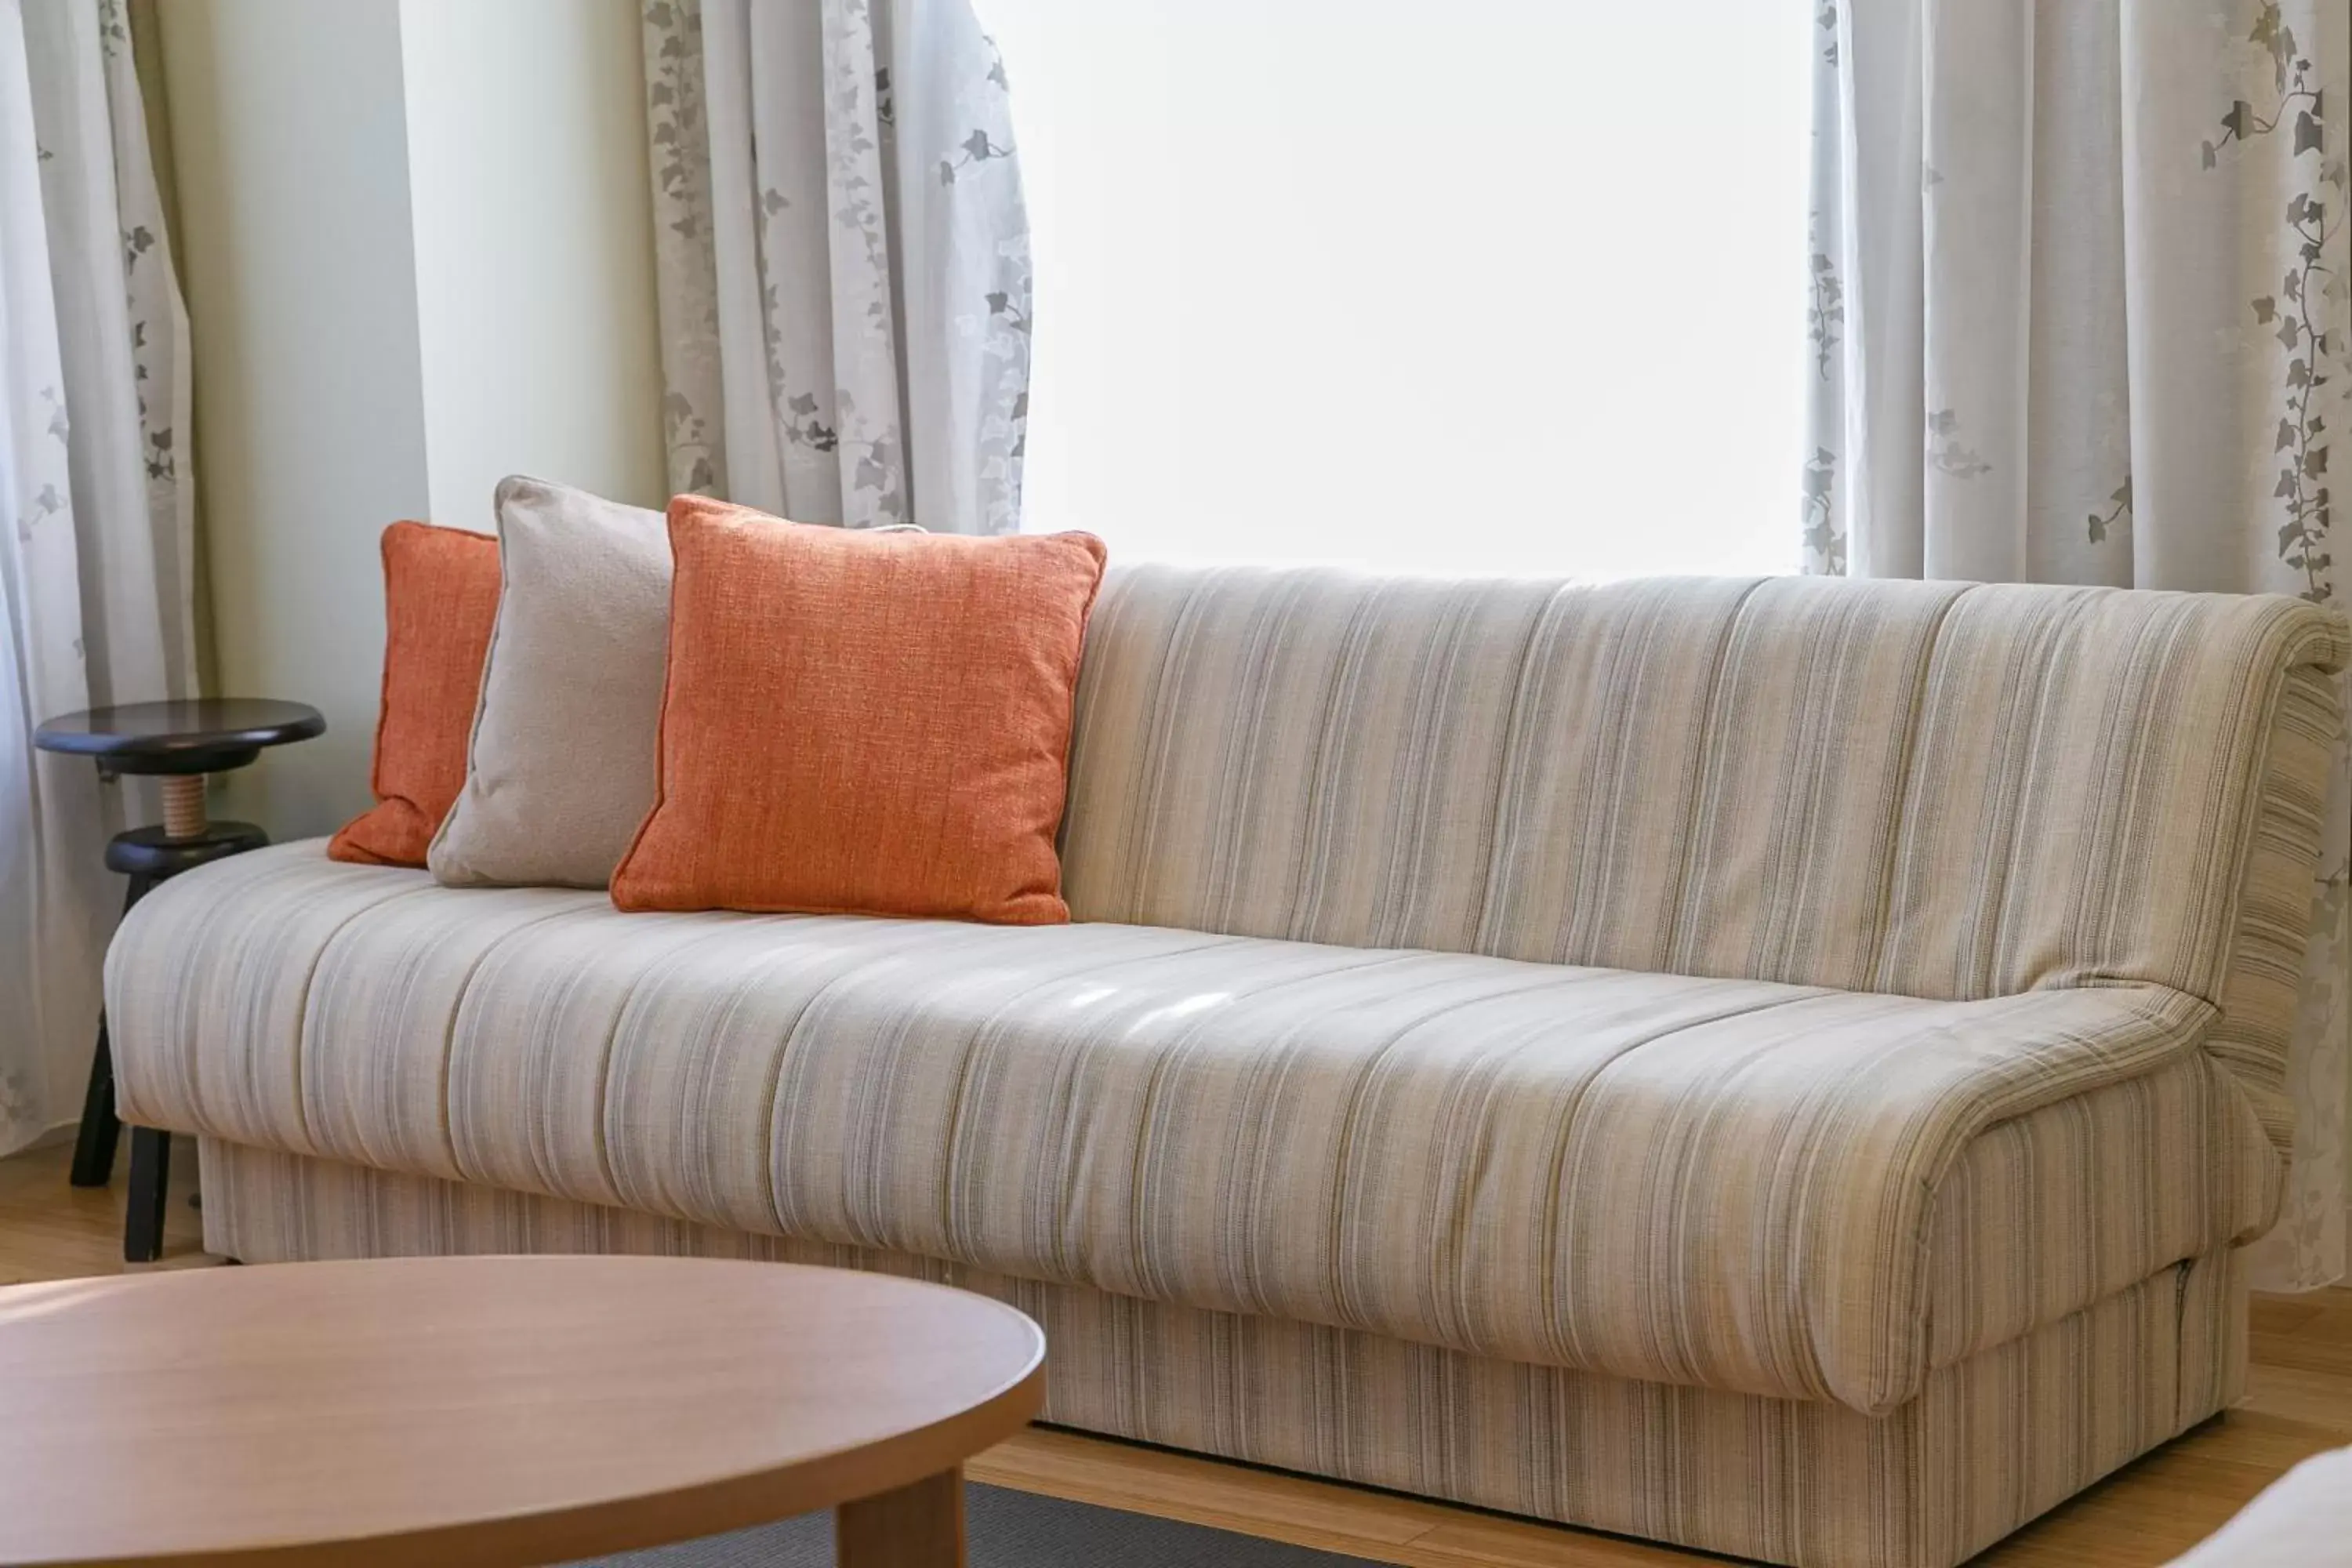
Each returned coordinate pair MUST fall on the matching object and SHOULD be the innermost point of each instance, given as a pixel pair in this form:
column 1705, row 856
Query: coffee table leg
column 919, row 1525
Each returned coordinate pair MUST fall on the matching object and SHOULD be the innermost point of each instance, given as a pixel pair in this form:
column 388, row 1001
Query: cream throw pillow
column 560, row 766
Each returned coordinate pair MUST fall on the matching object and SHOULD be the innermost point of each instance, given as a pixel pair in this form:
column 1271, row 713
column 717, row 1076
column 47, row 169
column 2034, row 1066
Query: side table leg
column 917, row 1526
column 94, row 1139
column 150, row 1178
column 93, row 1158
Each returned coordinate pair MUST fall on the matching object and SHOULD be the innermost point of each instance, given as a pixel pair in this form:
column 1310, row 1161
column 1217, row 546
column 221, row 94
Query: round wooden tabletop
column 205, row 734
column 493, row 1410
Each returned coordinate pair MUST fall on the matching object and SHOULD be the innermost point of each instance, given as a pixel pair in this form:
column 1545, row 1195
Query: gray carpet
column 1007, row 1530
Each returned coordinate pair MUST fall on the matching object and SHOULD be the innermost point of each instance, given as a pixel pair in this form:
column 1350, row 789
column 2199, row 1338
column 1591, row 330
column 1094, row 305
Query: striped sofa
column 1782, row 1067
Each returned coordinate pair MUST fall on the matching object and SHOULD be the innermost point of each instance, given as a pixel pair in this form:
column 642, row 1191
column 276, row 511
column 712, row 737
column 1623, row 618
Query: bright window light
column 1495, row 286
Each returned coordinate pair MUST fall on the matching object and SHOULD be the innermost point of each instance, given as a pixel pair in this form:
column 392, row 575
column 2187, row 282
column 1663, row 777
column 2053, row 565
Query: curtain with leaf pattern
column 97, row 526
column 843, row 259
column 2079, row 313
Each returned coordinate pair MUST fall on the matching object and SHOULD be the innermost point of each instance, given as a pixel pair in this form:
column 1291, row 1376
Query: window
column 1502, row 286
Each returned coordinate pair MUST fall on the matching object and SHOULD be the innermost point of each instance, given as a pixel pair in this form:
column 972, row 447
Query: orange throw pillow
column 865, row 723
column 440, row 600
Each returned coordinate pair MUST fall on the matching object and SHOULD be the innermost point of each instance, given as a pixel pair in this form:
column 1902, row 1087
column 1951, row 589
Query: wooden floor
column 2300, row 1402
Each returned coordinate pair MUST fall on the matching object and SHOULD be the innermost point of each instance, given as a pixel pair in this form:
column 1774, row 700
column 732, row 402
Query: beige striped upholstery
column 1639, row 1017
column 1928, row 788
column 1704, row 1182
column 2264, row 978
column 1991, row 1441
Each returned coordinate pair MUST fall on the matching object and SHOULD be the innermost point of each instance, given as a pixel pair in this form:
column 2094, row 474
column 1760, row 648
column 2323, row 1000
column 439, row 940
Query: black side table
column 180, row 742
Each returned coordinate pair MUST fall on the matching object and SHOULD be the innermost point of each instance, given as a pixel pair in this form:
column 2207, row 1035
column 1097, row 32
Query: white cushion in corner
column 561, row 767
column 2303, row 1518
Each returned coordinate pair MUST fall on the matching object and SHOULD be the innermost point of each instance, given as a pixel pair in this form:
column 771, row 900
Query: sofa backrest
column 1943, row 790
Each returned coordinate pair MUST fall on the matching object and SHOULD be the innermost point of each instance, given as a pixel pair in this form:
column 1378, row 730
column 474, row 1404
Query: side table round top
column 206, row 734
column 480, row 1410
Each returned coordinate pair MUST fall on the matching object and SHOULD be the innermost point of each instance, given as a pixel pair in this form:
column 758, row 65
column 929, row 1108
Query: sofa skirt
column 1992, row 1441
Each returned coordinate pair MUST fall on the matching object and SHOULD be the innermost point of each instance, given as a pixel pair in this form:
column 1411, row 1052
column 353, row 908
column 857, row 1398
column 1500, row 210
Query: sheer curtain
column 843, row 258
column 96, row 546
column 2079, row 315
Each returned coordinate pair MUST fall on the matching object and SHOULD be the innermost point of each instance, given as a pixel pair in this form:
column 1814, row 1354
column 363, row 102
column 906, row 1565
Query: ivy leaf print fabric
column 2041, row 360
column 97, row 540
column 842, row 255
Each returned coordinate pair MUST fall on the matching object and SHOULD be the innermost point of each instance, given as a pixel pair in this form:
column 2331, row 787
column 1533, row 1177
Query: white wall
column 1446, row 288
column 288, row 132
column 418, row 258
column 534, row 249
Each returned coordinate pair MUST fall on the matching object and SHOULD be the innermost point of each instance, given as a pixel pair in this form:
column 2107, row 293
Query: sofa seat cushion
column 1723, row 1183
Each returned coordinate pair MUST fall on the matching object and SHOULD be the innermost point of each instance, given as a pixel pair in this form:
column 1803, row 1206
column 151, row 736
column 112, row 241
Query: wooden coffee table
column 495, row 1410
